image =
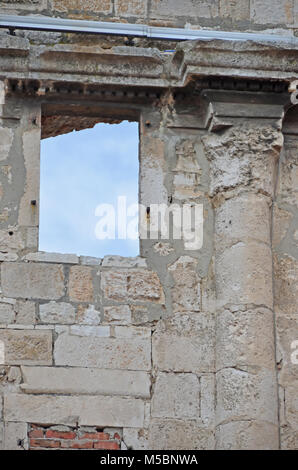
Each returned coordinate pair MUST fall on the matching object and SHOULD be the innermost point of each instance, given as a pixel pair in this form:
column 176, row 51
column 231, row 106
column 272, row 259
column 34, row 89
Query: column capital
column 228, row 108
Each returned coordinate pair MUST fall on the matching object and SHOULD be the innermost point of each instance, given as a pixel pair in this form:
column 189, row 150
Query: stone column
column 243, row 166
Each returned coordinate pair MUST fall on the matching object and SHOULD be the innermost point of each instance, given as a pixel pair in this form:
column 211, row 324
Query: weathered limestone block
column 187, row 8
column 281, row 12
column 291, row 406
column 288, row 438
column 152, row 171
column 244, row 394
column 135, row 439
column 242, row 218
column 88, row 315
column 131, row 8
column 31, row 5
column 98, row 411
column 288, row 178
column 281, row 223
column 124, row 262
column 7, row 312
column 6, row 139
column 285, row 285
column 235, row 10
column 243, row 157
column 45, row 257
column 29, row 347
column 80, row 286
column 90, row 330
column 32, row 280
column 26, row 312
column 245, row 338
column 16, row 436
column 176, row 396
column 184, row 343
column 286, row 334
column 132, row 285
column 131, row 332
column 247, row 435
column 11, row 240
column 207, row 384
column 244, row 275
column 28, row 214
column 57, row 312
column 94, row 6
column 106, row 353
column 186, row 293
column 86, row 381
column 8, row 257
column 117, row 315
column 169, row 434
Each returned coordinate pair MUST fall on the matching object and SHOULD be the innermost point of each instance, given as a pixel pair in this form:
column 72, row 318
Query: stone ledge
column 98, row 411
column 61, row 380
column 44, row 257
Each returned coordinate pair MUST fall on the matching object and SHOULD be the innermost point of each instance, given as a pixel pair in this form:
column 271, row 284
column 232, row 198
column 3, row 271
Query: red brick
column 60, row 434
column 44, row 443
column 106, row 445
column 98, row 436
column 81, row 445
column 36, row 433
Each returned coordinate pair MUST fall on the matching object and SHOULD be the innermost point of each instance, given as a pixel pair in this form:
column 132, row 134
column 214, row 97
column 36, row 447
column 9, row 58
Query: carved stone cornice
column 138, row 66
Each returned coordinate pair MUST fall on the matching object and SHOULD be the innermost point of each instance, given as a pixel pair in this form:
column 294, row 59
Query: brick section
column 68, row 438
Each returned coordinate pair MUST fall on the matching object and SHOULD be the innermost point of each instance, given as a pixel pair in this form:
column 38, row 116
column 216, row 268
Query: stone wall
column 238, row 15
column 182, row 347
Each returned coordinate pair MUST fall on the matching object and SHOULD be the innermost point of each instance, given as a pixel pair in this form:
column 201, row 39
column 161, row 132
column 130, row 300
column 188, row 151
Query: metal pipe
column 44, row 23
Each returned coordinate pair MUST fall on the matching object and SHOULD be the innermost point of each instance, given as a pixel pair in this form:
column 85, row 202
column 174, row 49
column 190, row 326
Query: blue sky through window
column 79, row 171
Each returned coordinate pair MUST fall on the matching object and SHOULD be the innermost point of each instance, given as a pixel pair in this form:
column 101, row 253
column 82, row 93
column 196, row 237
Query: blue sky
column 79, row 171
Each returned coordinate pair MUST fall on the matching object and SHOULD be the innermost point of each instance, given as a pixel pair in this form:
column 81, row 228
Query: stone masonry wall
column 182, row 347
column 240, row 15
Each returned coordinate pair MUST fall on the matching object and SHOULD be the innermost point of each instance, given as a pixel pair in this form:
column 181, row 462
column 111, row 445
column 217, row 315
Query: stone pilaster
column 243, row 166
column 19, row 175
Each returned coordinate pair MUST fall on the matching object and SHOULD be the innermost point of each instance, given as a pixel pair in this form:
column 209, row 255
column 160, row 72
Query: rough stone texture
column 104, row 6
column 26, row 312
column 235, row 283
column 181, row 347
column 117, row 315
column 286, row 288
column 176, row 396
column 184, row 343
column 106, row 353
column 168, row 434
column 55, row 312
column 235, row 9
column 26, row 347
column 36, row 280
column 142, row 286
column 80, row 284
column 187, row 8
column 245, row 338
column 244, row 395
column 7, row 313
column 245, row 435
column 87, row 315
column 234, row 164
column 281, row 12
column 132, row 8
column 186, row 293
column 16, row 436
column 6, row 137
